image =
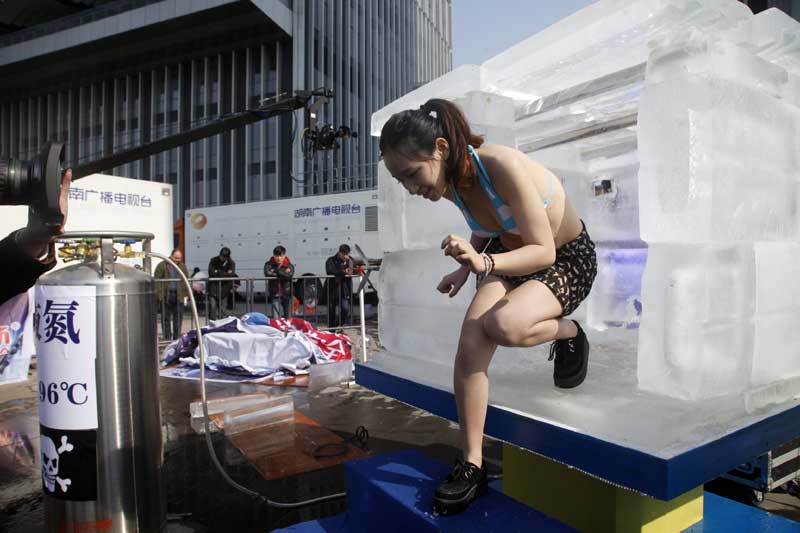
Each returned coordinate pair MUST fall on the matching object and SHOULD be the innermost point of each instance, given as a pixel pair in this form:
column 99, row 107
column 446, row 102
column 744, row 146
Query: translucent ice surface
column 719, row 319
column 684, row 55
column 776, row 354
column 700, row 178
column 606, row 37
column 412, row 222
column 455, row 84
column 696, row 332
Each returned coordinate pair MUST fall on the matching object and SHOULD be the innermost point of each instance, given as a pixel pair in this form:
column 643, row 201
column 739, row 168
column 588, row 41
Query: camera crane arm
column 283, row 104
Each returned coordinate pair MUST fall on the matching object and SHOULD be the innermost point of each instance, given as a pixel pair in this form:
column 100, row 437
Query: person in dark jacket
column 279, row 291
column 172, row 295
column 221, row 266
column 340, row 287
column 29, row 252
column 22, row 261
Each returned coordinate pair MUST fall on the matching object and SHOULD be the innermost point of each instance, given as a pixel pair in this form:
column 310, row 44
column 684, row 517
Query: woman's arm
column 479, row 243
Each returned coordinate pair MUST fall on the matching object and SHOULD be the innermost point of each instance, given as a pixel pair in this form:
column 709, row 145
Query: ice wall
column 674, row 127
column 719, row 207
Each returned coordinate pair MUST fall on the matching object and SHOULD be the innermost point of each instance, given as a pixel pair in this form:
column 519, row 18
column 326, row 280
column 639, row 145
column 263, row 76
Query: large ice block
column 490, row 115
column 606, row 37
column 701, row 179
column 696, row 333
column 416, row 320
column 409, row 278
column 720, row 319
column 412, row 222
column 776, row 353
column 455, row 84
column 683, row 55
column 773, row 35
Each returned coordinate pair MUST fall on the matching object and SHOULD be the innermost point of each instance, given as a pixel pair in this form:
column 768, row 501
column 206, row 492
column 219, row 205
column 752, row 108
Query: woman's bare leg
column 470, row 372
column 528, row 315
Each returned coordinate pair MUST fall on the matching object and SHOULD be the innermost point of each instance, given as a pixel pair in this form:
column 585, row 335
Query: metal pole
column 363, row 322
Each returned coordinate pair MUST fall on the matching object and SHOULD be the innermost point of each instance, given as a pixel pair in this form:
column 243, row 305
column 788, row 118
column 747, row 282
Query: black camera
column 325, row 138
column 35, row 183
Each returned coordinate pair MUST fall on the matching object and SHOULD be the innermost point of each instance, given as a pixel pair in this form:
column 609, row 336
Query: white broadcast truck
column 311, row 228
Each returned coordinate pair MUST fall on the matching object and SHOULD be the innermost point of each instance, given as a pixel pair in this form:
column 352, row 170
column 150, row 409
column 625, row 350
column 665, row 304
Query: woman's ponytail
column 455, row 128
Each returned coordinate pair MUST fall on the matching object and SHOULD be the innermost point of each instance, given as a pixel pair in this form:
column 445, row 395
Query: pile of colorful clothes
column 257, row 345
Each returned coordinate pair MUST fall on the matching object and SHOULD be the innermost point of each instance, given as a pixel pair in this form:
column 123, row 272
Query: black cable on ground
column 338, row 449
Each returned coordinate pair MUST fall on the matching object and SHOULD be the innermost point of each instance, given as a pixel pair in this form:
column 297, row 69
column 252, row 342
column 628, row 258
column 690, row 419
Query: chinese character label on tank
column 57, row 322
column 64, row 325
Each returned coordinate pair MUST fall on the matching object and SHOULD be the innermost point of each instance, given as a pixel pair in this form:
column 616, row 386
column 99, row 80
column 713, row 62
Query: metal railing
column 317, row 299
column 321, row 180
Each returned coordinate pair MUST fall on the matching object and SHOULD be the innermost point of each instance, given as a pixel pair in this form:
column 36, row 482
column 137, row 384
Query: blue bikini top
column 502, row 209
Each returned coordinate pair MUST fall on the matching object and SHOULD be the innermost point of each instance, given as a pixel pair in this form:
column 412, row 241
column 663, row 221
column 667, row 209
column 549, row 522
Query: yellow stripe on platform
column 590, row 504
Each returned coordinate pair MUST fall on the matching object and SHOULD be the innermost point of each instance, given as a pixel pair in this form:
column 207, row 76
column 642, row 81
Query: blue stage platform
column 392, row 493
column 663, row 477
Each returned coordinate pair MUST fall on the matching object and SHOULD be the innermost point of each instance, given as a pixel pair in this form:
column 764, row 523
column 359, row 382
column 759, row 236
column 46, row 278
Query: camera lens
column 33, row 183
column 14, row 186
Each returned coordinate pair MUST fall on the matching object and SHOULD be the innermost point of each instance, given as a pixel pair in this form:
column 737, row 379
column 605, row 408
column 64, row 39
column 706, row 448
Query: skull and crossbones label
column 69, row 463
column 50, row 463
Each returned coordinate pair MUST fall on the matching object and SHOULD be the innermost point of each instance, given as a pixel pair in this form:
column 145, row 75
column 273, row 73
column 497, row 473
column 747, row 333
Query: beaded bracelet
column 488, row 262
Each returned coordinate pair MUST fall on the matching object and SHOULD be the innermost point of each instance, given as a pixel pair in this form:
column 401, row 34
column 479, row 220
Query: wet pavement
column 197, row 497
column 195, row 490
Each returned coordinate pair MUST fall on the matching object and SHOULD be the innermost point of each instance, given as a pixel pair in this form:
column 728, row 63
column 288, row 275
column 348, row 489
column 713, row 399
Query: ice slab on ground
column 700, row 179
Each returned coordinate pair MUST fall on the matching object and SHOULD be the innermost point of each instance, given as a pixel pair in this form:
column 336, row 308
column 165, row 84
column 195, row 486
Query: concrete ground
column 197, row 497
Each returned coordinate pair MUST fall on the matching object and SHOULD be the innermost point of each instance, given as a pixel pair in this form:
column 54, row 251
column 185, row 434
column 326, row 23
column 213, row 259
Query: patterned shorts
column 571, row 276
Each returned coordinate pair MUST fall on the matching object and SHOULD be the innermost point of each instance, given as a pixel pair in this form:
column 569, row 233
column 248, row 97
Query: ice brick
column 455, row 84
column 604, row 38
column 696, row 334
column 700, row 178
column 684, row 55
column 414, row 331
column 410, row 278
column 412, row 222
column 776, row 354
column 773, row 35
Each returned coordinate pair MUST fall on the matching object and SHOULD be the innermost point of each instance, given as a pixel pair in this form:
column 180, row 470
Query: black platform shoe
column 463, row 485
column 572, row 359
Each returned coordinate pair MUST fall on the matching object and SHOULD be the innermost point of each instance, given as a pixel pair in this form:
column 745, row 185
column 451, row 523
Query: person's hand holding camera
column 37, row 238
